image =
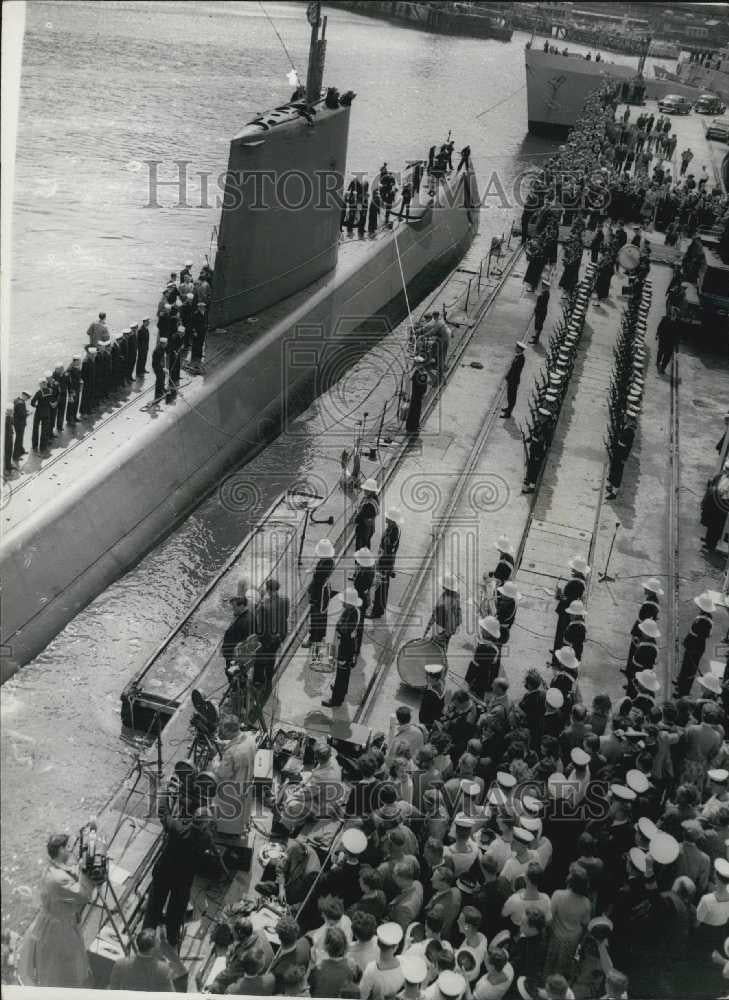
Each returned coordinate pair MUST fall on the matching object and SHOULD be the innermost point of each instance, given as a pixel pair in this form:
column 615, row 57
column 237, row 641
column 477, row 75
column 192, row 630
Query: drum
column 628, row 258
column 412, row 658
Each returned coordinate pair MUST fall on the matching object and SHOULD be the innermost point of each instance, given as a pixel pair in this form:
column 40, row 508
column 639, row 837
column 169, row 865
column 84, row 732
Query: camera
column 92, row 853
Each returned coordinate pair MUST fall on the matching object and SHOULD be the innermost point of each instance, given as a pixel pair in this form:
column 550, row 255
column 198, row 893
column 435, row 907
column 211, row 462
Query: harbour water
column 105, row 88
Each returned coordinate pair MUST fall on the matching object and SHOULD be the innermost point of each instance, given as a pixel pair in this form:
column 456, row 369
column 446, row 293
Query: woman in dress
column 53, row 952
column 571, row 913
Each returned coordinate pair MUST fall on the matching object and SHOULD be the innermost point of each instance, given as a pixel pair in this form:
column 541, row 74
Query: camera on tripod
column 93, row 853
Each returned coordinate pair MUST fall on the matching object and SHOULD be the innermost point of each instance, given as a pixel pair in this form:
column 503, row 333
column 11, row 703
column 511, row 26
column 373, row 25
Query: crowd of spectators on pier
column 507, row 842
column 110, row 364
column 611, row 175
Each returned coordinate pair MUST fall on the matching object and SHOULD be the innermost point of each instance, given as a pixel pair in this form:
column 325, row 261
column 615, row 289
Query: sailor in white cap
column 541, row 307
column 463, row 852
column 575, row 634
column 384, row 977
column 505, row 566
column 573, row 590
column 694, row 644
column 566, row 668
column 711, row 685
column 389, row 544
column 579, row 775
column 484, row 666
column 718, row 778
column 712, row 913
column 642, row 652
column 346, row 630
column 446, row 617
column 42, row 416
column 415, row 972
column 363, row 581
column 433, row 699
column 342, row 879
column 523, row 855
column 507, row 601
column 449, row 985
column 319, row 593
column 367, row 514
column 142, row 347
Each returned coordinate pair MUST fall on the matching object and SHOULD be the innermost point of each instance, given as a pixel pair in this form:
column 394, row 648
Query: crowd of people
column 508, row 843
column 613, row 172
column 111, row 363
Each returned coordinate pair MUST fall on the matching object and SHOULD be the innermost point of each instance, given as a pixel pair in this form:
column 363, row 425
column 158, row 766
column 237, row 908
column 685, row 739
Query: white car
column 718, row 130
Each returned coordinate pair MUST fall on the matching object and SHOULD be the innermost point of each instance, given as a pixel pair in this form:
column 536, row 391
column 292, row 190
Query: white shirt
column 385, row 983
column 543, row 851
column 500, row 850
column 461, row 861
column 712, row 911
column 516, row 907
column 478, row 951
column 485, row 990
column 364, row 952
column 514, row 867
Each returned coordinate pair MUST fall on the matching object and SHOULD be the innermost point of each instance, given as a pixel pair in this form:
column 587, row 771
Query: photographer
column 186, row 847
column 53, row 952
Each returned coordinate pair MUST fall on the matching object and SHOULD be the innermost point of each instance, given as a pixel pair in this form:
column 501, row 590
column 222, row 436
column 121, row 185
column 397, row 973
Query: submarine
column 291, row 300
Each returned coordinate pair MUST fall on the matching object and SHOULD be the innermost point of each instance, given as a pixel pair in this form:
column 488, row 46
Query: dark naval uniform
column 158, row 367
column 20, row 418
column 346, row 653
column 319, row 593
column 142, row 349
column 362, row 581
column 484, row 667
column 389, row 544
column 369, row 508
column 573, row 590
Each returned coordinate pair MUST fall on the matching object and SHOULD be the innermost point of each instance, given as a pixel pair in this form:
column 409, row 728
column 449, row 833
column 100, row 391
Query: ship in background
column 558, row 84
column 466, row 19
column 88, row 515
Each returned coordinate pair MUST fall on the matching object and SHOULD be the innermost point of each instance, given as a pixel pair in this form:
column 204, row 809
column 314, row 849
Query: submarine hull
column 138, row 474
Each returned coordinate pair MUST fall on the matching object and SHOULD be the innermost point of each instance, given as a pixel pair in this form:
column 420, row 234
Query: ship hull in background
column 80, row 534
column 558, row 86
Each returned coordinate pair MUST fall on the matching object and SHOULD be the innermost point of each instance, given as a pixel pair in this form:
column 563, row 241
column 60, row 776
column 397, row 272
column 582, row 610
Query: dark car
column 709, row 104
column 718, row 130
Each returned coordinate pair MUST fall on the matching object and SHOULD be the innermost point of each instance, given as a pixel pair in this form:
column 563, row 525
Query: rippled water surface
column 106, row 87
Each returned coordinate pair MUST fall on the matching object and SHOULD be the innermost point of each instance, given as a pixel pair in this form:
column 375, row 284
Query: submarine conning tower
column 279, row 226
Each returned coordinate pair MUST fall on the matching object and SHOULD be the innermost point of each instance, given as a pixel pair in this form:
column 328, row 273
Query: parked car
column 713, row 290
column 674, row 104
column 709, row 104
column 718, row 130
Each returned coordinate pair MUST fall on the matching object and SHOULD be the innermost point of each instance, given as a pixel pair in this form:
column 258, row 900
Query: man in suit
column 272, row 626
